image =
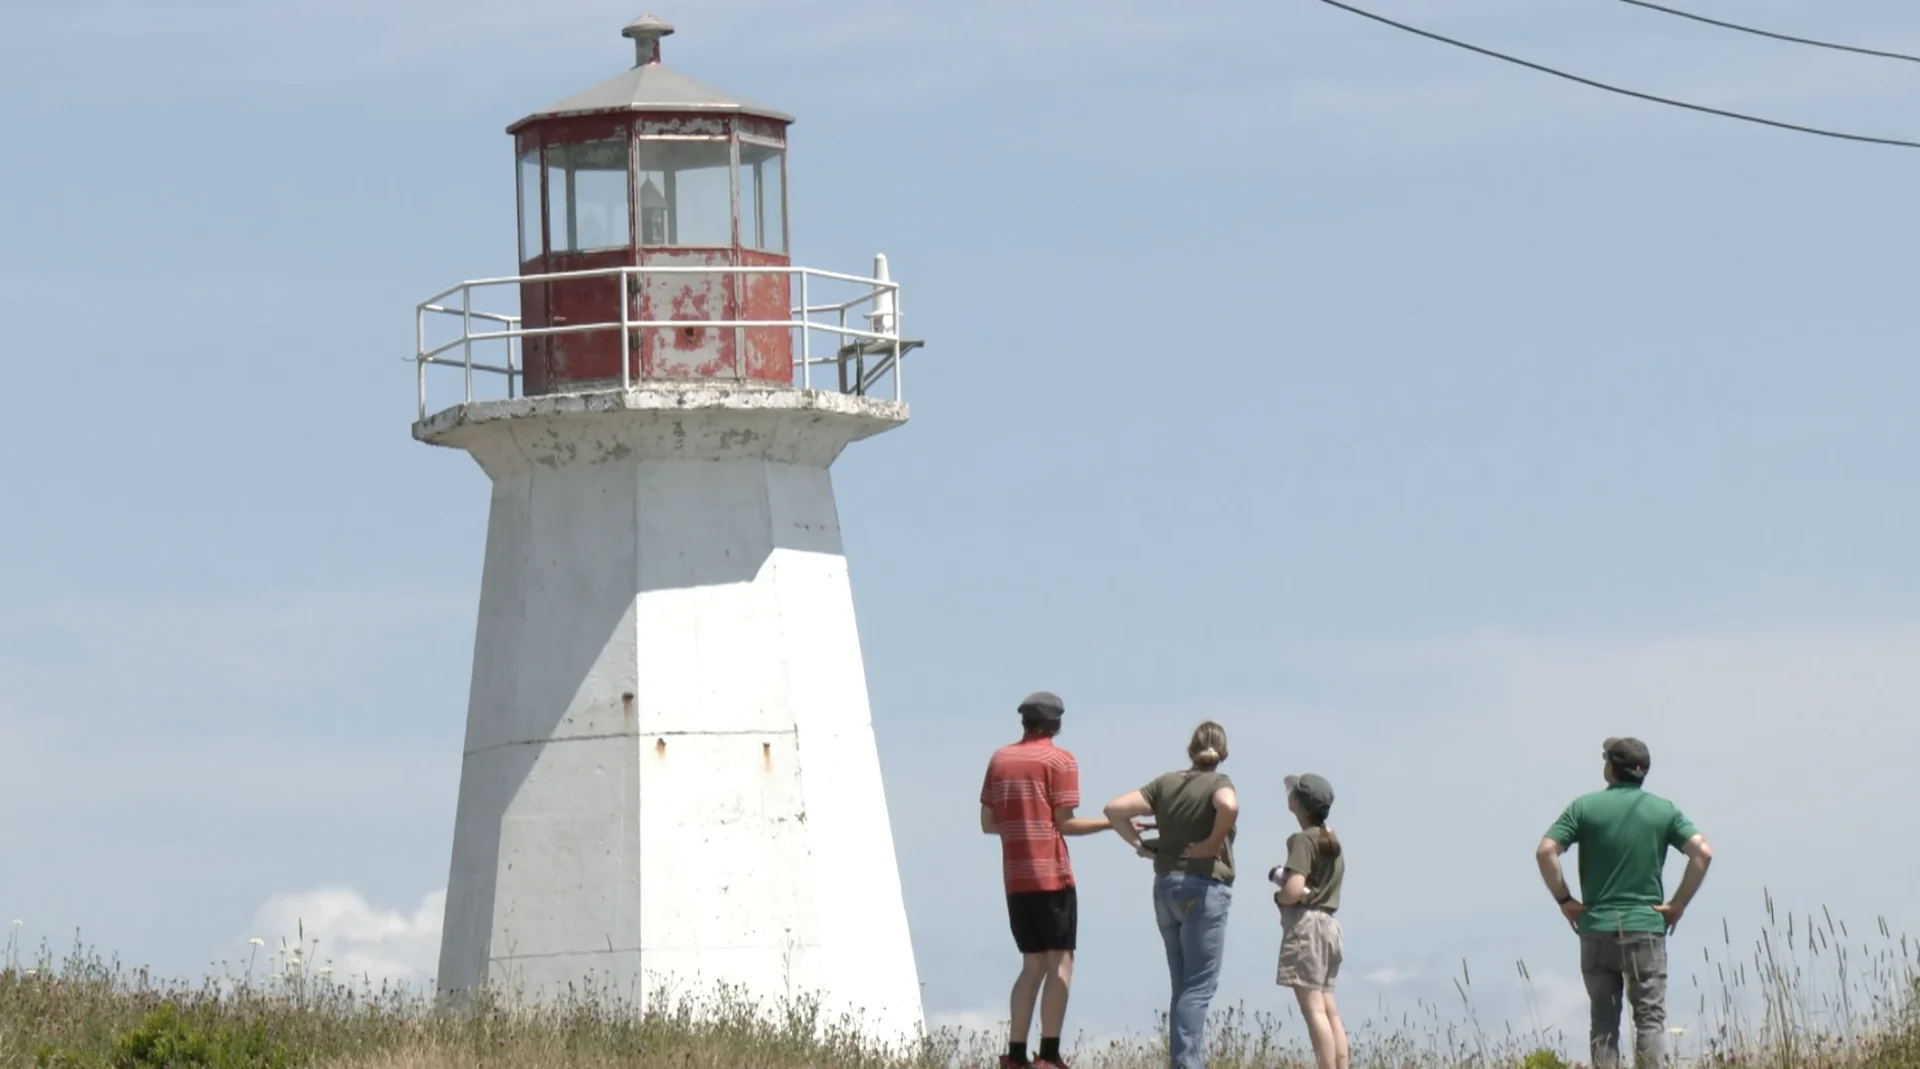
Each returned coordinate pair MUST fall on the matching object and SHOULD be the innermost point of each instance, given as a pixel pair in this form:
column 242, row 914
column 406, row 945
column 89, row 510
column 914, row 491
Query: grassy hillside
column 1809, row 996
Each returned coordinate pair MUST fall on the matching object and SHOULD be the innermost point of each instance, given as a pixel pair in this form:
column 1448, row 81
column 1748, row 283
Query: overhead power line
column 1769, row 33
column 1818, row 132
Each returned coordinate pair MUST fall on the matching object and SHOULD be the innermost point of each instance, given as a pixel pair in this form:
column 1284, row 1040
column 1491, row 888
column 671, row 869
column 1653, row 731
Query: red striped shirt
column 1025, row 783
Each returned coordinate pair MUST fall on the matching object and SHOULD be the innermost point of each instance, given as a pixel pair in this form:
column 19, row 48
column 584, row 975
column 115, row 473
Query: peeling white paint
column 670, row 775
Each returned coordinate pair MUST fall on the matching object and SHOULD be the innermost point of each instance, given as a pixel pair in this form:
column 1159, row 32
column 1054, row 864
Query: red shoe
column 1007, row 1062
column 1049, row 1063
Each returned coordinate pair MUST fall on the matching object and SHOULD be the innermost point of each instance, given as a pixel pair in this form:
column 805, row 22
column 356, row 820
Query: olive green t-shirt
column 1324, row 874
column 1623, row 833
column 1183, row 811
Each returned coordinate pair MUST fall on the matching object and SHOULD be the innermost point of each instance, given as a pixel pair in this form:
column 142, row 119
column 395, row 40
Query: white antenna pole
column 880, row 320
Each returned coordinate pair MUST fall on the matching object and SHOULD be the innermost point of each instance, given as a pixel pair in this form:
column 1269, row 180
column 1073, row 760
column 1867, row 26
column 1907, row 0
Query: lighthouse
column 669, row 782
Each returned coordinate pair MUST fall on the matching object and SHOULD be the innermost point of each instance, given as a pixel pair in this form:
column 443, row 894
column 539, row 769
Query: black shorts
column 1044, row 920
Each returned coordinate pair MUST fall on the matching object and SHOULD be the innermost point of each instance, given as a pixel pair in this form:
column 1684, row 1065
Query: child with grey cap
column 1308, row 896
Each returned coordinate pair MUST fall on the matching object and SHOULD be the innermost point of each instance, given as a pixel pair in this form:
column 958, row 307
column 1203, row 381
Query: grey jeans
column 1633, row 964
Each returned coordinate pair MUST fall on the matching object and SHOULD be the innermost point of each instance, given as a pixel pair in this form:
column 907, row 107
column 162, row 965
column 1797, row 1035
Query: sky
column 1423, row 419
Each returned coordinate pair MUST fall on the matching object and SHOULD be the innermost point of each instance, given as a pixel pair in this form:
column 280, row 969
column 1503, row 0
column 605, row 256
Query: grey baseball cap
column 1314, row 791
column 1628, row 754
column 1043, row 704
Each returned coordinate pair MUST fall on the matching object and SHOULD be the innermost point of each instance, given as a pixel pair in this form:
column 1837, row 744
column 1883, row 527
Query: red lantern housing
column 652, row 169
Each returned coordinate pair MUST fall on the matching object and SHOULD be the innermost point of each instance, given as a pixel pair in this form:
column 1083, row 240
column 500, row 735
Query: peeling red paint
column 560, row 362
column 760, row 126
column 576, row 128
column 684, row 126
column 556, row 360
column 769, row 350
column 687, row 352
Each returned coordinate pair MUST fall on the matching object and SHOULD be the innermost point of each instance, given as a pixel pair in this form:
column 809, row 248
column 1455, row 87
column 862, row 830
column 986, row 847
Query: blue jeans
column 1192, row 914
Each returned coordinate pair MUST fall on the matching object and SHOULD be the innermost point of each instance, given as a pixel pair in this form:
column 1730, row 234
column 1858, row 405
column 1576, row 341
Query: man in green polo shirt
column 1624, row 833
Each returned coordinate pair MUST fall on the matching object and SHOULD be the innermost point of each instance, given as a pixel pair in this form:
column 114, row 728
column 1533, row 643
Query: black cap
column 1314, row 791
column 1043, row 705
column 1628, row 755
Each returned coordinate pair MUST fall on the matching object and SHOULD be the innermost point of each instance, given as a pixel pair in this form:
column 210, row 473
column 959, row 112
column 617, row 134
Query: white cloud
column 359, row 941
column 967, row 1022
column 232, row 743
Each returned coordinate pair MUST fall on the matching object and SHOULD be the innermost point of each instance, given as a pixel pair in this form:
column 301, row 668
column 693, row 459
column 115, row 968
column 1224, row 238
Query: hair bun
column 1208, row 754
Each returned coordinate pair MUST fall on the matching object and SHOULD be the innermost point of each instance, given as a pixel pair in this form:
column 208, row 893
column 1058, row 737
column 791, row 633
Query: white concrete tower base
column 670, row 776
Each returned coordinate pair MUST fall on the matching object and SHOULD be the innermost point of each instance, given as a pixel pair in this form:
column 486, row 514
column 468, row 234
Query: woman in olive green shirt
column 1195, row 810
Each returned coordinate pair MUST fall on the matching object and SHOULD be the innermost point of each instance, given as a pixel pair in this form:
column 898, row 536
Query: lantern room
column 653, row 170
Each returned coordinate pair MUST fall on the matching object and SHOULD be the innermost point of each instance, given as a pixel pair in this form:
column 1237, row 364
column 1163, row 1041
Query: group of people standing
column 1185, row 822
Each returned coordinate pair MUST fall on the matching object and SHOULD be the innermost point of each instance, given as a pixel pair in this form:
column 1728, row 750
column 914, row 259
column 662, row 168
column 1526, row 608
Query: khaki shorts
column 1310, row 949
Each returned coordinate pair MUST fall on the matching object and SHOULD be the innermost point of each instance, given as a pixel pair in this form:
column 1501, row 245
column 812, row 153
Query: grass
column 1808, row 996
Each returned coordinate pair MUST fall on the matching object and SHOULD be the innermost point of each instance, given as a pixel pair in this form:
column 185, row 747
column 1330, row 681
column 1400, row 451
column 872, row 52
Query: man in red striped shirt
column 1031, row 790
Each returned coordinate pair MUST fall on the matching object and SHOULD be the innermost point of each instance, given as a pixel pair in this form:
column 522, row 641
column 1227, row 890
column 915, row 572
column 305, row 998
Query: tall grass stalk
column 1808, row 996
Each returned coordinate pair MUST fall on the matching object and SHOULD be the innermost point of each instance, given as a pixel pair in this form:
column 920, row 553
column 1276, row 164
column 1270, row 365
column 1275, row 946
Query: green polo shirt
column 1623, row 833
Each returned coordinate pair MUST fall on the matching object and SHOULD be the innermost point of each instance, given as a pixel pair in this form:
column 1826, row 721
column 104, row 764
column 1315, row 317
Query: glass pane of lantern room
column 763, row 194
column 686, row 193
column 587, row 195
column 529, row 180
